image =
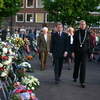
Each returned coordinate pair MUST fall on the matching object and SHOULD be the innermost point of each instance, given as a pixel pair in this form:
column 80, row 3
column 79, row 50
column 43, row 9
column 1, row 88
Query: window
column 29, row 17
column 20, row 17
column 47, row 20
column 29, row 4
column 39, row 4
column 40, row 17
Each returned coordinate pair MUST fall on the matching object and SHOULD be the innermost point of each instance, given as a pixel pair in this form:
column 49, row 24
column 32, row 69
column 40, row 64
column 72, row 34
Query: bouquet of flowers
column 30, row 82
column 21, row 72
column 28, row 57
column 19, row 41
column 20, row 92
column 3, row 72
column 6, row 56
column 26, row 41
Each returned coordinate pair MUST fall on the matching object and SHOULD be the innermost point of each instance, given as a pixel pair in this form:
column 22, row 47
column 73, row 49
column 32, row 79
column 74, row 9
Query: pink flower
column 17, row 91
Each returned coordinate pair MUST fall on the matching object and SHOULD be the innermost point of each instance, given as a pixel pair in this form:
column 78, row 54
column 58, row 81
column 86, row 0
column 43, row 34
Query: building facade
column 32, row 15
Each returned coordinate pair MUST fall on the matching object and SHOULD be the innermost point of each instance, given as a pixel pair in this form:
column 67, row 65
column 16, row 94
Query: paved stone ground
column 66, row 89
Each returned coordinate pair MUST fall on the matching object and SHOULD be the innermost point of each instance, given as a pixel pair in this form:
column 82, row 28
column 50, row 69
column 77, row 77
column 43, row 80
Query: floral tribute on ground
column 10, row 63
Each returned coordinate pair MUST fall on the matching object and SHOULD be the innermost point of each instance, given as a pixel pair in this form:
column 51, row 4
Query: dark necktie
column 59, row 34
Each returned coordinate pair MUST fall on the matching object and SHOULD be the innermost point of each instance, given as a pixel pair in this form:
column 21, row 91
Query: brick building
column 32, row 15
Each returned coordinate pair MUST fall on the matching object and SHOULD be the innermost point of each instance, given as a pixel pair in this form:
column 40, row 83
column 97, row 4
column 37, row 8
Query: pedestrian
column 31, row 38
column 58, row 50
column 43, row 44
column 22, row 32
column 70, row 38
column 82, row 42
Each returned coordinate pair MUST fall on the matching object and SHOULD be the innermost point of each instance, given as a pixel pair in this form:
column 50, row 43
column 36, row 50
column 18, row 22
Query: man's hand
column 73, row 54
column 91, row 56
column 51, row 55
column 65, row 54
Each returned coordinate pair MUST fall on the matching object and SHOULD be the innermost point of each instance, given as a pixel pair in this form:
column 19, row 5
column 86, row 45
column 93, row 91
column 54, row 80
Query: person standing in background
column 70, row 38
column 22, row 32
column 82, row 42
column 58, row 50
column 43, row 44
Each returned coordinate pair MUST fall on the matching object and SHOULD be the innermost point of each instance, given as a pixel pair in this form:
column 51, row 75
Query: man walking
column 43, row 43
column 82, row 42
column 58, row 50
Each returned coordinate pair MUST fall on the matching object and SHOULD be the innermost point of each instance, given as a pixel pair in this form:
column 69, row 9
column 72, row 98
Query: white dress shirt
column 45, row 36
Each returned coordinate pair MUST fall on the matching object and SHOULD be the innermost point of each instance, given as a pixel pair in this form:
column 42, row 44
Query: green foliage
column 70, row 11
column 11, row 7
column 1, row 4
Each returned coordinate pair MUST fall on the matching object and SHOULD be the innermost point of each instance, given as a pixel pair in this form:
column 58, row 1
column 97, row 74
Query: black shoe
column 74, row 80
column 69, row 68
column 82, row 85
column 41, row 69
column 57, row 82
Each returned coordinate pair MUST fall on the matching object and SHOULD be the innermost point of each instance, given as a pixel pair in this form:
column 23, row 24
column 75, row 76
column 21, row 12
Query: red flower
column 6, row 46
column 2, row 69
column 8, row 52
column 30, row 91
column 17, row 91
column 4, row 57
column 23, row 91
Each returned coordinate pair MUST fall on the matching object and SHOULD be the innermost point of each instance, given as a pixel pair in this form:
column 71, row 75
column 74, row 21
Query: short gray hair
column 45, row 28
column 82, row 21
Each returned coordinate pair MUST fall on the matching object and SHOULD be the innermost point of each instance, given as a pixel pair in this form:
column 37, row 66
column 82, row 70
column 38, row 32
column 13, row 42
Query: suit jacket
column 87, row 43
column 42, row 44
column 59, row 45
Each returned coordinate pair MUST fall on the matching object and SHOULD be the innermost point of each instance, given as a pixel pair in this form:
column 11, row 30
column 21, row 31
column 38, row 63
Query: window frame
column 23, row 17
column 36, row 18
column 29, row 7
column 26, row 17
column 46, row 19
column 37, row 4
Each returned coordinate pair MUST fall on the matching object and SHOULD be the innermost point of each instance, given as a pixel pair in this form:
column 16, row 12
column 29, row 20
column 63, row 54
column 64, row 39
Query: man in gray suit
column 43, row 43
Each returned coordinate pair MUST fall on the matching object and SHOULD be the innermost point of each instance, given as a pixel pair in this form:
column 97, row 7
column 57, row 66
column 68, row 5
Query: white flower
column 1, row 65
column 10, row 52
column 32, row 88
column 5, row 50
column 6, row 62
column 3, row 74
column 4, row 43
column 25, row 64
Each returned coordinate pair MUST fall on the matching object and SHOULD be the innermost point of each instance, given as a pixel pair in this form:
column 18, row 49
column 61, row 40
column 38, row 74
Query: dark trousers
column 80, row 62
column 58, row 63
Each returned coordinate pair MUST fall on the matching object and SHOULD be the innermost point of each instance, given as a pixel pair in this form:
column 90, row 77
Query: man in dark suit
column 58, row 50
column 82, row 42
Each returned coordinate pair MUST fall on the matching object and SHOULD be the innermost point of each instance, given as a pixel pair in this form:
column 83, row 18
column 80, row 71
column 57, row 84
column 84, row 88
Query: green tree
column 1, row 4
column 70, row 11
column 11, row 7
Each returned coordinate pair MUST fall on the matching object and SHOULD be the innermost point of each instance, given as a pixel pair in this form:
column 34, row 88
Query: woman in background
column 70, row 36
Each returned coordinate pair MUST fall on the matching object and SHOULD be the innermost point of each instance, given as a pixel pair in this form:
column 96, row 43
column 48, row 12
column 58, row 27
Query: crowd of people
column 64, row 45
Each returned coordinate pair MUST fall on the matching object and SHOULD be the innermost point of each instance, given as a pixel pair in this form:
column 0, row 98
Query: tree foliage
column 1, row 4
column 11, row 7
column 70, row 11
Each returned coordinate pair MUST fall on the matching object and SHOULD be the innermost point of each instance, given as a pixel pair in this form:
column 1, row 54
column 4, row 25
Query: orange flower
column 29, row 57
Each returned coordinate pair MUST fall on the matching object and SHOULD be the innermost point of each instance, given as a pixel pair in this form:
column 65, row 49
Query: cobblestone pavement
column 66, row 89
